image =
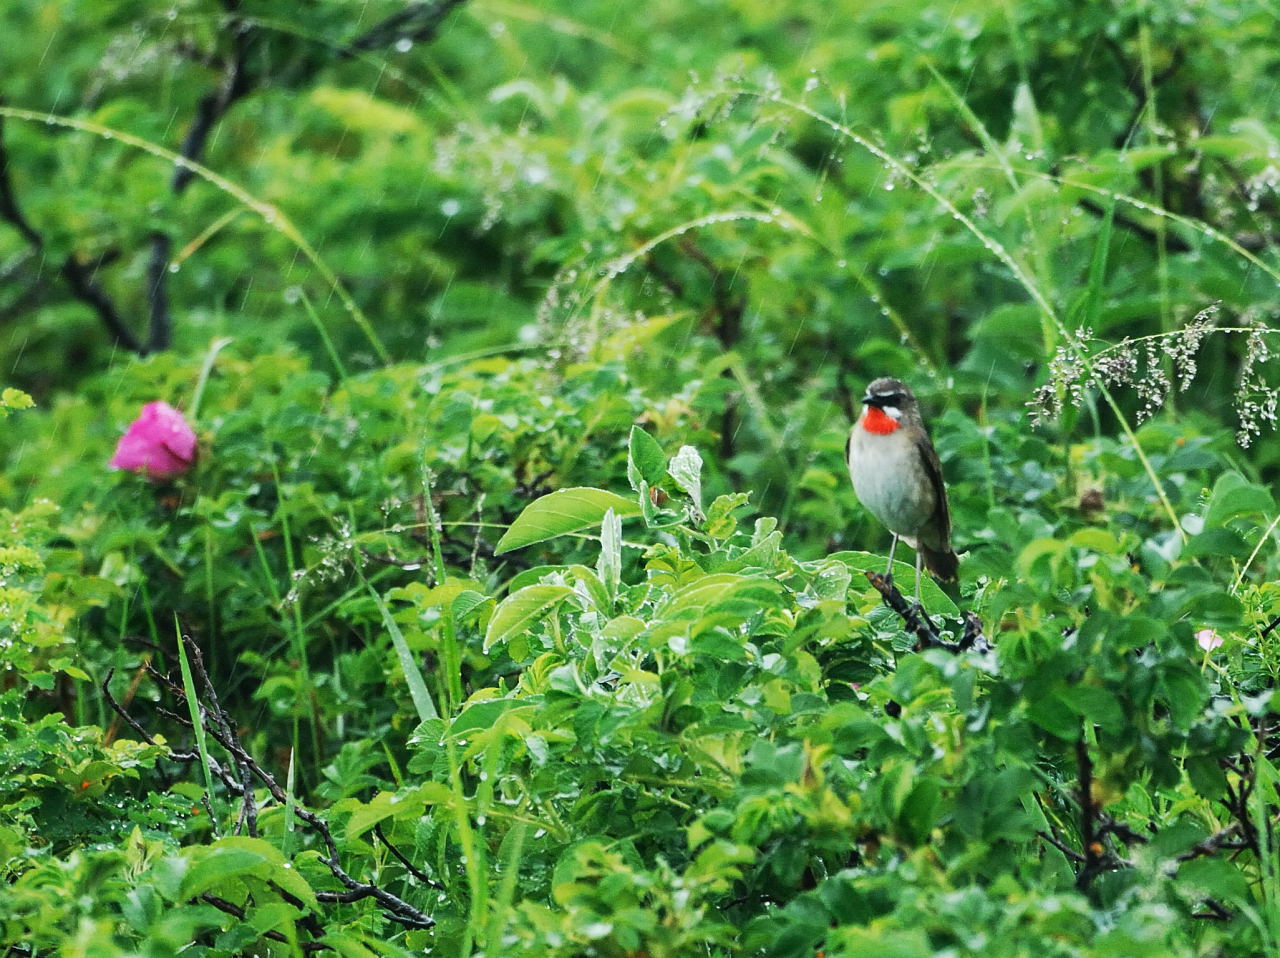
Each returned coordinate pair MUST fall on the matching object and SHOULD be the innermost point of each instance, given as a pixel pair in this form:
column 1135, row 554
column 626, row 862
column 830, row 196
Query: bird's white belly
column 891, row 482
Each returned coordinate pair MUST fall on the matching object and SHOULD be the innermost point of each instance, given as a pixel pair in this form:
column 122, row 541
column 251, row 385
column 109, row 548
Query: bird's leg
column 918, row 605
column 919, row 608
column 888, row 570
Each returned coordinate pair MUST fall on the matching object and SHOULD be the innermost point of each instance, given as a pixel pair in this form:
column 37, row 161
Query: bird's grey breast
column 890, row 480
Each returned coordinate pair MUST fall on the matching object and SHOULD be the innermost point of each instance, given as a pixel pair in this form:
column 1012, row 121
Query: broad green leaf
column 645, row 459
column 386, row 805
column 1097, row 705
column 904, row 577
column 713, row 589
column 1234, row 495
column 465, row 603
column 484, row 715
column 1096, row 540
column 1216, row 541
column 218, row 865
column 1214, row 878
column 235, row 856
column 1053, row 715
column 566, row 510
column 518, row 611
column 721, row 522
column 686, row 469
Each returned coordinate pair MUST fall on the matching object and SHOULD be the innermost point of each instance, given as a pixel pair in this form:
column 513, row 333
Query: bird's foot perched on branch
column 921, row 626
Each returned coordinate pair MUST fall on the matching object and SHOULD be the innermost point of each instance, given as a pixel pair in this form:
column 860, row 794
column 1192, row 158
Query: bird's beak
column 870, row 400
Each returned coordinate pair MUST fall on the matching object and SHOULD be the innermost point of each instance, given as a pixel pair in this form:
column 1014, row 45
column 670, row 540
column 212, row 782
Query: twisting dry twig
column 913, row 617
column 413, row 869
column 219, row 727
column 231, row 908
column 919, row 624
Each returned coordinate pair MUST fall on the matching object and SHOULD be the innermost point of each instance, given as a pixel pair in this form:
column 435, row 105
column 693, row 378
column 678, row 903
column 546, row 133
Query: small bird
column 897, row 476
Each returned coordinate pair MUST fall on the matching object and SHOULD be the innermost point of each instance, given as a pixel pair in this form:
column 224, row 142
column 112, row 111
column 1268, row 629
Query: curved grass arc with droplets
column 271, row 215
column 1000, row 252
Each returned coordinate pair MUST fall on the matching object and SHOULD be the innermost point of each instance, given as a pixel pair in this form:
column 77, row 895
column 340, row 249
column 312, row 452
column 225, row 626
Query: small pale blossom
column 1208, row 639
column 158, row 444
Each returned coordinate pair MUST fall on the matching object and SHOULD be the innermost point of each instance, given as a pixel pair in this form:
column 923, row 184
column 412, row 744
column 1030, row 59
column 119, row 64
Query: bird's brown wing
column 933, row 468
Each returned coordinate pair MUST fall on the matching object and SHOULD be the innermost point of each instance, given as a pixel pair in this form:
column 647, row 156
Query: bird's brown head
column 888, row 404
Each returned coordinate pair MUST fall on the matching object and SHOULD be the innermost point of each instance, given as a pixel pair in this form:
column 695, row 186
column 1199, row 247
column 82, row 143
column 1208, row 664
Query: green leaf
column 645, row 459
column 1214, row 878
column 483, row 715
column 1234, row 495
column 904, row 577
column 713, row 589
column 382, row 806
column 1025, row 131
column 1055, row 716
column 609, row 566
column 563, row 511
column 1096, row 705
column 1215, row 541
column 686, row 470
column 518, row 611
column 422, row 701
column 465, row 602
column 235, row 856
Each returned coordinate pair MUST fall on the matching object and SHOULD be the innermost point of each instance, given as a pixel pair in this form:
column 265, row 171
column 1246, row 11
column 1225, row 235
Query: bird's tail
column 943, row 563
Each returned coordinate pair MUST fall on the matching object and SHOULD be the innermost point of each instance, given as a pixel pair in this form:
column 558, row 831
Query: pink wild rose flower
column 158, row 444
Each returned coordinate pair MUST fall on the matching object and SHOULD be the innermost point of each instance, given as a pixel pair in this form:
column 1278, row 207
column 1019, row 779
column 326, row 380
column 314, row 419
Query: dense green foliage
column 519, row 566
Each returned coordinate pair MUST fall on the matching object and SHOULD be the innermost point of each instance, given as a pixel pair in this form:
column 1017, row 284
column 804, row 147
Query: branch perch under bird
column 921, row 626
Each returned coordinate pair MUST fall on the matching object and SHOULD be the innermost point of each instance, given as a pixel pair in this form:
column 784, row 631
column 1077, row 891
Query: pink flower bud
column 158, row 444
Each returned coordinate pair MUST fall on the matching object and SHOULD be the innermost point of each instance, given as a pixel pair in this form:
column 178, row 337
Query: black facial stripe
column 895, row 397
column 887, row 399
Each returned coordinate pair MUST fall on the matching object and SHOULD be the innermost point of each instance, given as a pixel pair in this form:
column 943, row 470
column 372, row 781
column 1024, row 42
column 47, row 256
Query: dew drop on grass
column 404, row 45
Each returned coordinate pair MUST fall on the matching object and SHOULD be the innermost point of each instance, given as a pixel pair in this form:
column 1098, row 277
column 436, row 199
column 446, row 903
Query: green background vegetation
column 436, row 263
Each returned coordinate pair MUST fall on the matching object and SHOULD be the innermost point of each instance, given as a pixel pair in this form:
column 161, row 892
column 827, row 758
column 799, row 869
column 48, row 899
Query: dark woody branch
column 219, row 726
column 236, row 83
column 417, row 22
column 79, row 276
column 921, row 626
